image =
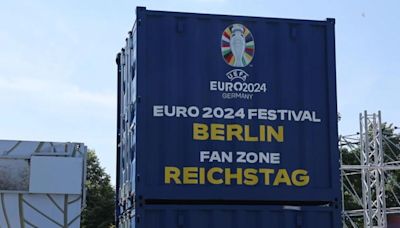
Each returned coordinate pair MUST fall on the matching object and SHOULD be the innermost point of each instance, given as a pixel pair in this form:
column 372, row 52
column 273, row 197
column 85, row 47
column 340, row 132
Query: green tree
column 100, row 198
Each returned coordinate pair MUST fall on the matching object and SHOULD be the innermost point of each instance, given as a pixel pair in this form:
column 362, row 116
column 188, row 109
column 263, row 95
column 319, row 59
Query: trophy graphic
column 238, row 44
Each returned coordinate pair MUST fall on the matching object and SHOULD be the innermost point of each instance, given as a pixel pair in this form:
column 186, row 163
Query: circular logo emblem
column 237, row 45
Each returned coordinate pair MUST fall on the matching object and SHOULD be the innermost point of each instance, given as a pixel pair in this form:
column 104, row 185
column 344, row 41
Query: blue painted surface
column 171, row 59
column 178, row 56
column 156, row 216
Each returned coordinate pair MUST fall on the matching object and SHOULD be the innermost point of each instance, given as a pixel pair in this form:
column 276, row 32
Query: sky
column 58, row 73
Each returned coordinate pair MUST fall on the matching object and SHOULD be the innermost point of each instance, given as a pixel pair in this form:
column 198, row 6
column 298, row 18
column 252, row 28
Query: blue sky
column 58, row 72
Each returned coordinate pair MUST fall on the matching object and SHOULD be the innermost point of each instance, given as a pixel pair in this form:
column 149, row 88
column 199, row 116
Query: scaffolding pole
column 372, row 171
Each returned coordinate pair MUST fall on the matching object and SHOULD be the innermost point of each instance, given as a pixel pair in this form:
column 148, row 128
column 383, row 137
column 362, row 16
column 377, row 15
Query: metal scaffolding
column 374, row 162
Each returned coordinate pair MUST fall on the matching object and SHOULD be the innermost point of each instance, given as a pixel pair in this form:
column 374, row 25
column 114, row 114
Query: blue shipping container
column 216, row 216
column 227, row 108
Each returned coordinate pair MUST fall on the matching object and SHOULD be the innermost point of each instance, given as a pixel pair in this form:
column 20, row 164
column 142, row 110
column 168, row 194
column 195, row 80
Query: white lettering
column 158, row 110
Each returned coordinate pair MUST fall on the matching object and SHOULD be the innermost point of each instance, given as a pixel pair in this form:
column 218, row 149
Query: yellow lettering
column 230, row 132
column 217, row 132
column 202, row 176
column 237, row 176
column 250, row 176
column 282, row 177
column 234, row 130
column 172, row 173
column 262, row 133
column 210, row 175
column 200, row 131
column 190, row 175
column 229, row 176
column 247, row 136
column 267, row 173
column 278, row 136
column 300, row 177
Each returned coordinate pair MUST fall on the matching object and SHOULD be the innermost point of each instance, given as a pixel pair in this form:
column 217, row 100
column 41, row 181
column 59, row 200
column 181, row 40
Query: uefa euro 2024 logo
column 237, row 48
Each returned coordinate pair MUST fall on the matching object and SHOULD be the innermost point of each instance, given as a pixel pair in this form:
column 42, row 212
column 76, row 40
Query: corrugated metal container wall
column 201, row 216
column 215, row 216
column 226, row 108
column 126, row 129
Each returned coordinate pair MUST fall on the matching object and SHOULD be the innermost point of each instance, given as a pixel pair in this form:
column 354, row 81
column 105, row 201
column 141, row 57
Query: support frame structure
column 375, row 165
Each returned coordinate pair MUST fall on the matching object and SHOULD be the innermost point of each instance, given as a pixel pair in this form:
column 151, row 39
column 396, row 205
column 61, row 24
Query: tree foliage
column 100, row 198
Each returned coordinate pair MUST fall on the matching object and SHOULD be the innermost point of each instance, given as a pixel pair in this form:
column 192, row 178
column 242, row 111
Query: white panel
column 6, row 146
column 39, row 210
column 25, row 149
column 59, row 199
column 44, row 204
column 17, row 148
column 2, row 216
column 58, row 175
column 74, row 210
column 40, row 220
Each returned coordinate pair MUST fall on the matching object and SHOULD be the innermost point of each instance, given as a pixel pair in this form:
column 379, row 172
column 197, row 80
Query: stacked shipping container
column 227, row 120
